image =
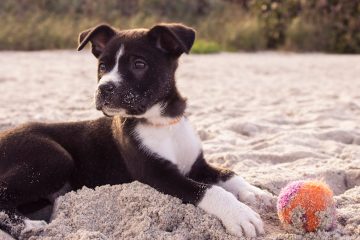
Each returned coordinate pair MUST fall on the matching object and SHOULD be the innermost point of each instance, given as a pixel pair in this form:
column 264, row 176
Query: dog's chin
column 111, row 112
column 107, row 114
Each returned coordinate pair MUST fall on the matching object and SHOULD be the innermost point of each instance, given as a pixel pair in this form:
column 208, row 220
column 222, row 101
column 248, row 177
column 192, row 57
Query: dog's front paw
column 250, row 194
column 243, row 221
column 238, row 218
column 32, row 227
column 257, row 198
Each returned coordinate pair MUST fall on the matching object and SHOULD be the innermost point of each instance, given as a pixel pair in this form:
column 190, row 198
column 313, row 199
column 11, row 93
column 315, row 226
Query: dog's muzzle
column 110, row 97
column 104, row 94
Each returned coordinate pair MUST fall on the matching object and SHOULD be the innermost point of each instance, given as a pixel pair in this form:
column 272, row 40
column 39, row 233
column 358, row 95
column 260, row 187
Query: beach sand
column 271, row 117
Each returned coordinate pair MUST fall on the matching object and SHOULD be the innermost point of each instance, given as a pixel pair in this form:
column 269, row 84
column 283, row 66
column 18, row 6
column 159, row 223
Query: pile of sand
column 129, row 211
column 272, row 118
column 137, row 211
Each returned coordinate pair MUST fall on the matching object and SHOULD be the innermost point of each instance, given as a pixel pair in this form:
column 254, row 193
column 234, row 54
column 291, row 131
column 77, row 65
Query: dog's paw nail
column 244, row 221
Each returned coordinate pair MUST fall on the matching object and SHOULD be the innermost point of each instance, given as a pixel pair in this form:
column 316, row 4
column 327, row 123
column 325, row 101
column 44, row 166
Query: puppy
column 144, row 136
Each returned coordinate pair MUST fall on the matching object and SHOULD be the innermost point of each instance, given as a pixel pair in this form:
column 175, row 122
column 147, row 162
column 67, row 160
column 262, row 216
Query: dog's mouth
column 104, row 105
column 110, row 111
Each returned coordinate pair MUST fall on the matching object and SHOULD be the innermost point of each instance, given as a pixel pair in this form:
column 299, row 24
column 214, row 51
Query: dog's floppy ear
column 99, row 36
column 172, row 38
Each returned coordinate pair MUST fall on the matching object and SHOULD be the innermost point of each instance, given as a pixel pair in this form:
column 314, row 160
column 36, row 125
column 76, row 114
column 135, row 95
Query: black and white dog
column 145, row 137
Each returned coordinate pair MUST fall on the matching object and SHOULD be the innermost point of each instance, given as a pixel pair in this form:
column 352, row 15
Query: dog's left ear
column 173, row 38
column 99, row 36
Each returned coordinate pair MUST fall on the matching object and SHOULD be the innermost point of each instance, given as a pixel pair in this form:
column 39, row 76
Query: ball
column 306, row 206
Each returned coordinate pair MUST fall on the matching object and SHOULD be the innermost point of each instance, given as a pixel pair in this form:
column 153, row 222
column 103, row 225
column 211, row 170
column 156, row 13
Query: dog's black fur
column 38, row 159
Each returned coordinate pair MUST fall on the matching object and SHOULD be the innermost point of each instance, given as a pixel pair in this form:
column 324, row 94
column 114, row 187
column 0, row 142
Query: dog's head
column 136, row 68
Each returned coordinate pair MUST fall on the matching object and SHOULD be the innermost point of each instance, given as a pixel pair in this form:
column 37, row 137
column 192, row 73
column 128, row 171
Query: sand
column 271, row 117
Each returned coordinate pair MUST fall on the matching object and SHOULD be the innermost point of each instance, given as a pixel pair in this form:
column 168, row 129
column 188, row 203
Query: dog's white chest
column 177, row 143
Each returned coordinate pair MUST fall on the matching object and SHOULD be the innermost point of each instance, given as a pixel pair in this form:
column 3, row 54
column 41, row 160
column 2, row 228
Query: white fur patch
column 235, row 185
column 248, row 193
column 33, row 224
column 153, row 113
column 177, row 143
column 237, row 218
column 5, row 236
column 113, row 76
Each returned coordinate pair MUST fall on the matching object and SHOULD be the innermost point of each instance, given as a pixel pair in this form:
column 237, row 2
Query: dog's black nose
column 106, row 89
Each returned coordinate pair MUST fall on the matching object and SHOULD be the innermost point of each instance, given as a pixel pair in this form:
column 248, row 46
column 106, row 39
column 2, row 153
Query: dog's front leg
column 164, row 176
column 245, row 192
column 248, row 193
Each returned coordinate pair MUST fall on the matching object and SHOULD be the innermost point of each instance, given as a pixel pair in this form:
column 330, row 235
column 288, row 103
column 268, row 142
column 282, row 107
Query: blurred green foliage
column 204, row 46
column 310, row 25
column 248, row 25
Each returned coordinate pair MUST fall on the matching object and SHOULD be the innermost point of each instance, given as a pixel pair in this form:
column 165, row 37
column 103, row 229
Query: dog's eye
column 102, row 68
column 139, row 64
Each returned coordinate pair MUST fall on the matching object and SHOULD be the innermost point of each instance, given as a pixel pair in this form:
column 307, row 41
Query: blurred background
column 222, row 25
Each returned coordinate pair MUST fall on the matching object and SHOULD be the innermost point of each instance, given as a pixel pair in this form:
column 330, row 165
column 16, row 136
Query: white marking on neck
column 113, row 76
column 177, row 143
column 154, row 115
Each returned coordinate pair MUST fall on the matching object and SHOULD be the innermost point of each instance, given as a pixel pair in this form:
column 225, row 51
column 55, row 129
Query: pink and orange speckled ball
column 306, row 206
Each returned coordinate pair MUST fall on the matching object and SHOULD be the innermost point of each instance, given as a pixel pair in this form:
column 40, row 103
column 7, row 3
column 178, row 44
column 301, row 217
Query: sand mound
column 135, row 211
